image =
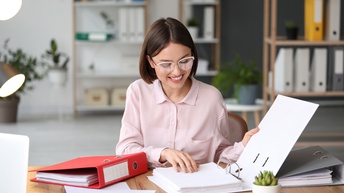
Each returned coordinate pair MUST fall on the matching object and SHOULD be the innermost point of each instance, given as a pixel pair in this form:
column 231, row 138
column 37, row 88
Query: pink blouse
column 197, row 125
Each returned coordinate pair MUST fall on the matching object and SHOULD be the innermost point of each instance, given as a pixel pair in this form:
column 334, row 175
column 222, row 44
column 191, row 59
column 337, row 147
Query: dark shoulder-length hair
column 158, row 36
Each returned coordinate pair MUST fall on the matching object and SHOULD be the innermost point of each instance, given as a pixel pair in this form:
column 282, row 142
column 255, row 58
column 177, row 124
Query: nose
column 176, row 69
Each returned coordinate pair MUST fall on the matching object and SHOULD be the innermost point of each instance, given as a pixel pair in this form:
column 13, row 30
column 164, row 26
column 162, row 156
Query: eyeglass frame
column 173, row 63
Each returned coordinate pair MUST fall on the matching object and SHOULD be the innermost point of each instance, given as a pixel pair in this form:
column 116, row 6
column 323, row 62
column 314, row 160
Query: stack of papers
column 209, row 178
column 76, row 178
column 316, row 177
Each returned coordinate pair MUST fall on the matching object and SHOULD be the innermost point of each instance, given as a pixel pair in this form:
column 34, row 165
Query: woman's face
column 173, row 66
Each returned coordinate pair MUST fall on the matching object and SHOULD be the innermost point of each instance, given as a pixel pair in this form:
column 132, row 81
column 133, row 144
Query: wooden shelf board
column 281, row 41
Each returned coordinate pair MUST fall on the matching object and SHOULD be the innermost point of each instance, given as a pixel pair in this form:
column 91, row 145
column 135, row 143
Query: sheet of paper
column 120, row 187
column 279, row 130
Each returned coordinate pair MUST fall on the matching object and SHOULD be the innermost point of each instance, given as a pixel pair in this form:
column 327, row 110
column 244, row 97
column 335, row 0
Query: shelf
column 202, row 40
column 112, row 74
column 85, row 108
column 202, row 2
column 108, row 3
column 310, row 94
column 282, row 41
column 111, row 42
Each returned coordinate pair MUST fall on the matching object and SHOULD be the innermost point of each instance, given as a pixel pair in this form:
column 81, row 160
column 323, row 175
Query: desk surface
column 141, row 182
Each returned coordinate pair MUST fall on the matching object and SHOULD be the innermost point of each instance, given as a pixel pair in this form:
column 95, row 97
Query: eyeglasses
column 184, row 64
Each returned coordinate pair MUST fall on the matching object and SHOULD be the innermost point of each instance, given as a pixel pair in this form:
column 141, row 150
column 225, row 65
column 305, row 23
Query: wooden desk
column 141, row 182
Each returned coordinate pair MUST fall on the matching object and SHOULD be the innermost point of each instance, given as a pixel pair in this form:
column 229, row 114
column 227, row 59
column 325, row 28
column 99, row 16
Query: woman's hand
column 248, row 135
column 178, row 158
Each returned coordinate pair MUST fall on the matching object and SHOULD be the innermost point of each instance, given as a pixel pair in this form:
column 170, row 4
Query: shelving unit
column 271, row 42
column 208, row 48
column 107, row 64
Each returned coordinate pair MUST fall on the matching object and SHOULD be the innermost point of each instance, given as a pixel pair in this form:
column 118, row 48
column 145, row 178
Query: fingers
column 179, row 159
column 248, row 135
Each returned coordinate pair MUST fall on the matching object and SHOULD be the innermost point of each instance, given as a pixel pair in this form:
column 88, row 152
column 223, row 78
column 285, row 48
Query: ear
column 150, row 61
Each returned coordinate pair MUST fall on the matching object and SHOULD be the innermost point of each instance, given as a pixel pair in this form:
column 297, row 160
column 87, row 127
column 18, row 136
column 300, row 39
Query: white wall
column 34, row 26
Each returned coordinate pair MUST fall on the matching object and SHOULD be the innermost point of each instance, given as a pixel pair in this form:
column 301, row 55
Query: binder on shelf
column 332, row 31
column 123, row 23
column 132, row 22
column 93, row 36
column 93, row 171
column 284, row 70
column 285, row 121
column 301, row 69
column 314, row 26
column 140, row 26
column 336, row 65
column 318, row 79
column 209, row 22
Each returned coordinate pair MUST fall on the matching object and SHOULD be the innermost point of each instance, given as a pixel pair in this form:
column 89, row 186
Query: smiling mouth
column 177, row 78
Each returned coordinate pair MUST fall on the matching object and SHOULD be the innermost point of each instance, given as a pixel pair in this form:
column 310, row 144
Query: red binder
column 109, row 169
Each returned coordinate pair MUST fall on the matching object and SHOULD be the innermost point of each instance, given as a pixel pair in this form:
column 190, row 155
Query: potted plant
column 291, row 30
column 266, row 182
column 57, row 64
column 243, row 76
column 28, row 66
column 192, row 25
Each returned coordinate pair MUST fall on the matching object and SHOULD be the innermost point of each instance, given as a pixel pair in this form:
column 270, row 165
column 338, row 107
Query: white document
column 140, row 23
column 301, row 69
column 333, row 20
column 279, row 130
column 284, row 70
column 209, row 25
column 123, row 29
column 318, row 75
column 120, row 187
column 210, row 178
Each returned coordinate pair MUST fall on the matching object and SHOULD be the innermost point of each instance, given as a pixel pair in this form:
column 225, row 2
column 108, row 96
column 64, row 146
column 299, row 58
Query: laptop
column 14, row 158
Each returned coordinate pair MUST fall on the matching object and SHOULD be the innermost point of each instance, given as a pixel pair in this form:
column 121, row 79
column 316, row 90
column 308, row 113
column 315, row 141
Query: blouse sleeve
column 229, row 151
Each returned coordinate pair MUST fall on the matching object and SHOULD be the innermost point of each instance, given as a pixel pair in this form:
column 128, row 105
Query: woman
column 170, row 115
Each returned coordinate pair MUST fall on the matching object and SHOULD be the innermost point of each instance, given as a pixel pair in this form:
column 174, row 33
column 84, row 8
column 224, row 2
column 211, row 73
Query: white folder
column 337, row 61
column 123, row 28
column 140, row 23
column 318, row 79
column 209, row 25
column 301, row 69
column 279, row 130
column 132, row 22
column 284, row 70
column 332, row 31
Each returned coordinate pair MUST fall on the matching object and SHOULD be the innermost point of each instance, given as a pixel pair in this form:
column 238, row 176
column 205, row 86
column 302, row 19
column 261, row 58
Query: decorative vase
column 266, row 189
column 292, row 33
column 9, row 109
column 193, row 32
column 248, row 94
column 57, row 76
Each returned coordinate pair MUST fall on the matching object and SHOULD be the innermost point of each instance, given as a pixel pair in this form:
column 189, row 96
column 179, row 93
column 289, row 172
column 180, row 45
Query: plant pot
column 193, row 32
column 292, row 33
column 248, row 94
column 9, row 109
column 57, row 76
column 266, row 189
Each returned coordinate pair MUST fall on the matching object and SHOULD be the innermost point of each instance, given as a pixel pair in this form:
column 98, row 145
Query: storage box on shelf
column 207, row 13
column 108, row 39
column 273, row 42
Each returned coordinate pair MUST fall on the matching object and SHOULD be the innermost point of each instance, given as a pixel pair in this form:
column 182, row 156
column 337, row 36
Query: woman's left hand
column 248, row 135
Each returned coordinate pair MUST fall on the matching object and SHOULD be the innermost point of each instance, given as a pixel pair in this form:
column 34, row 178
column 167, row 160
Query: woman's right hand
column 178, row 158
